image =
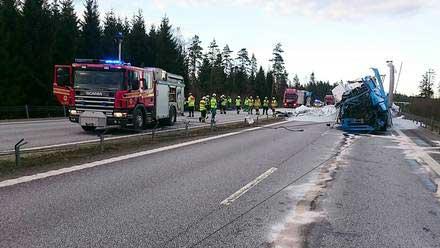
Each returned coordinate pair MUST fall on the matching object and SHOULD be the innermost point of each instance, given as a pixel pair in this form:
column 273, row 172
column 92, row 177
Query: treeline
column 36, row 34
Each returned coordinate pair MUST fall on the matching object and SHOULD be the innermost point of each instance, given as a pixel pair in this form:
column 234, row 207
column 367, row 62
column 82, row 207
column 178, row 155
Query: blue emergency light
column 113, row 62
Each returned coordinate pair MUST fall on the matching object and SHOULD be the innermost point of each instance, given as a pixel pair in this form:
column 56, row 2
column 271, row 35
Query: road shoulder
column 381, row 197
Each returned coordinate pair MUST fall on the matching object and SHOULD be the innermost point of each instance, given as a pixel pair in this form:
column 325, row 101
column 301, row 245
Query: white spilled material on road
column 402, row 123
column 228, row 201
column 312, row 114
column 125, row 157
column 416, row 152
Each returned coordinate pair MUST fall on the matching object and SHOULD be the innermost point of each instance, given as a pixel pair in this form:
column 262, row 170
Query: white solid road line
column 420, row 152
column 125, row 157
column 228, row 201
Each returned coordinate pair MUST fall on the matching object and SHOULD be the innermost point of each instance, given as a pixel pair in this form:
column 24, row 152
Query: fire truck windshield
column 99, row 79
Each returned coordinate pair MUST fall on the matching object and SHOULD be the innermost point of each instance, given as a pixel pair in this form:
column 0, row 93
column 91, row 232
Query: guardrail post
column 187, row 128
column 101, row 142
column 17, row 151
column 26, row 108
column 153, row 132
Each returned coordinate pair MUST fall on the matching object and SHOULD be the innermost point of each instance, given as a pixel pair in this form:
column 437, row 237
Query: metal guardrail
column 430, row 123
column 101, row 138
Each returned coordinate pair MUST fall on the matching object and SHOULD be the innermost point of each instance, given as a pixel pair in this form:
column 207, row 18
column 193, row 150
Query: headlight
column 73, row 112
column 119, row 115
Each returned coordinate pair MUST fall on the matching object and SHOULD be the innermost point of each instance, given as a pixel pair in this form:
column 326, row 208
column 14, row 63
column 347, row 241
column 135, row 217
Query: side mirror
column 63, row 76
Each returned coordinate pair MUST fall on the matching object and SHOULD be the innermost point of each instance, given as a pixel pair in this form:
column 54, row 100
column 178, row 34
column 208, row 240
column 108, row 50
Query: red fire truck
column 108, row 93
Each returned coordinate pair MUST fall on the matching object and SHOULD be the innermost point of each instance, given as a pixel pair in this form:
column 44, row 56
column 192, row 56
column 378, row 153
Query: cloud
column 327, row 9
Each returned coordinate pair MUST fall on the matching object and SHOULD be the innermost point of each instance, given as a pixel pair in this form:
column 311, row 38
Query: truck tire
column 138, row 119
column 171, row 120
column 89, row 129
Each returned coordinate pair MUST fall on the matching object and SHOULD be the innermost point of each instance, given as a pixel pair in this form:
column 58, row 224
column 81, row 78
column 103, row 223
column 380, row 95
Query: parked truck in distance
column 294, row 98
column 108, row 93
column 329, row 100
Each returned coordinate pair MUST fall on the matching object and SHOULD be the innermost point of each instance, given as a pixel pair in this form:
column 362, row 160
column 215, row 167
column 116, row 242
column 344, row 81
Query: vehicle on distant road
column 329, row 100
column 109, row 93
column 318, row 103
column 294, row 98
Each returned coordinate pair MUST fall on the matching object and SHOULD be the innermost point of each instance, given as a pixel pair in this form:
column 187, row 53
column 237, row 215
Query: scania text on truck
column 107, row 93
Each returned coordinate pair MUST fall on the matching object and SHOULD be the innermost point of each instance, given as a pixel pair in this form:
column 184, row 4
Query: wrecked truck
column 364, row 105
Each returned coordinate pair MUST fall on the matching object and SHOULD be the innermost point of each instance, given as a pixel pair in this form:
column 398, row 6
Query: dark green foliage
column 37, row 34
column 112, row 26
column 91, row 32
column 168, row 53
column 426, row 84
column 137, row 41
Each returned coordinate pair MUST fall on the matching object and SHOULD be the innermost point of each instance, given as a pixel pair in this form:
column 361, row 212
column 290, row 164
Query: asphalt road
column 60, row 131
column 385, row 196
column 171, row 198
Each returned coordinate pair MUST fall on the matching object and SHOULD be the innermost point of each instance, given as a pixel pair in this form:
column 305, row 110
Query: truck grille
column 104, row 103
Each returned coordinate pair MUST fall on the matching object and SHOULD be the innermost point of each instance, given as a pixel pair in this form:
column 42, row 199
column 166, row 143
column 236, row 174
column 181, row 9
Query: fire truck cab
column 108, row 93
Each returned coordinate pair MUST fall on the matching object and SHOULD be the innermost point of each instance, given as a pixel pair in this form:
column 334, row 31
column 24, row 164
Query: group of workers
column 209, row 104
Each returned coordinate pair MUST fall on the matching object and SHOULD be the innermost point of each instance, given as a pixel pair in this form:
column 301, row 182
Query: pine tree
column 152, row 44
column 243, row 61
column 11, row 64
column 137, row 41
column 260, row 83
column 91, row 32
column 296, row 82
column 167, row 50
column 426, row 85
column 112, row 26
column 218, row 77
column 253, row 65
column 67, row 35
column 270, row 82
column 204, row 78
column 227, row 61
column 213, row 51
column 37, row 49
column 279, row 70
column 194, row 57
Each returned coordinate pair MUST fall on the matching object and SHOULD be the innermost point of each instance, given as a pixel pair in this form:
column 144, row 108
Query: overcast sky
column 336, row 39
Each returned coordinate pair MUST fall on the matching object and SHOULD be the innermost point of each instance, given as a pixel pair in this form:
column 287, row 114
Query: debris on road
column 312, row 114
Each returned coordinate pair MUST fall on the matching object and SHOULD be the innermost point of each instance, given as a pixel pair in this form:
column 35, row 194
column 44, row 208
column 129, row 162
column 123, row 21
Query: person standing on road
column 213, row 107
column 251, row 105
column 246, row 104
column 223, row 104
column 273, row 105
column 266, row 106
column 238, row 104
column 229, row 103
column 257, row 105
column 202, row 108
column 191, row 104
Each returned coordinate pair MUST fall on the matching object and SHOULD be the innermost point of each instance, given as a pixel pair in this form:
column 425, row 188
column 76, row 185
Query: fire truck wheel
column 138, row 119
column 172, row 117
column 89, row 129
